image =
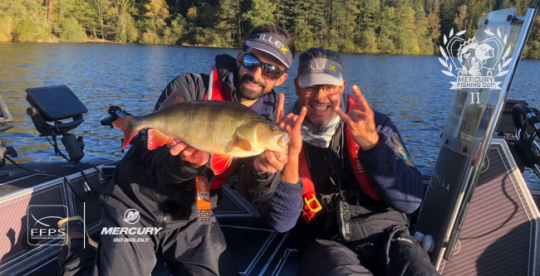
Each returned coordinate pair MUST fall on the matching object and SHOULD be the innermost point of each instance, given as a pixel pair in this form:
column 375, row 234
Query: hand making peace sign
column 272, row 162
column 361, row 122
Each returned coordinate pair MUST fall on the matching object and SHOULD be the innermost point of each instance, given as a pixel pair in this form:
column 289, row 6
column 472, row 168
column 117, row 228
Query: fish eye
column 272, row 127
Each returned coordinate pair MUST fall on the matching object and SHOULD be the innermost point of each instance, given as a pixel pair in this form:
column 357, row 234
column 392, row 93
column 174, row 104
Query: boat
column 478, row 217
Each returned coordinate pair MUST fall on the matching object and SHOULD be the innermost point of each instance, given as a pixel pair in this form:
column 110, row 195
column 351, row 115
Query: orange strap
column 203, row 194
column 311, row 205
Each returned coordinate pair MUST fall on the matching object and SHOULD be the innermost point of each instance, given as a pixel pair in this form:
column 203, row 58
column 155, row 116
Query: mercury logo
column 131, row 234
column 132, row 216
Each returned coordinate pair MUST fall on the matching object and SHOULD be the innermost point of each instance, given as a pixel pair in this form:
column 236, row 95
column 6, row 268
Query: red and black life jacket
column 311, row 204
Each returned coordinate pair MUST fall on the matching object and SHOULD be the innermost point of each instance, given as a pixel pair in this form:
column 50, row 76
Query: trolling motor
column 525, row 147
column 53, row 104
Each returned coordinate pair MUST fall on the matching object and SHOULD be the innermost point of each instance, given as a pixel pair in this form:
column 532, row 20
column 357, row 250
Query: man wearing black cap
column 358, row 182
column 159, row 186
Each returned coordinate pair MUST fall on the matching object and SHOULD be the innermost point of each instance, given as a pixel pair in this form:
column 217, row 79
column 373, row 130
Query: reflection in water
column 410, row 89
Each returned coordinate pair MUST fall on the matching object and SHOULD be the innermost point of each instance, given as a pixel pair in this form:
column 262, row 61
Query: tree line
column 352, row 26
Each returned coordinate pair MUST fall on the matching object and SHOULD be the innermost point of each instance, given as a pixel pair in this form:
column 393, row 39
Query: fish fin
column 172, row 99
column 219, row 163
column 157, row 139
column 127, row 126
column 243, row 144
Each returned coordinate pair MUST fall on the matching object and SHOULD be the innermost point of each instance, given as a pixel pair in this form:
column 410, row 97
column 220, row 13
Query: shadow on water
column 410, row 89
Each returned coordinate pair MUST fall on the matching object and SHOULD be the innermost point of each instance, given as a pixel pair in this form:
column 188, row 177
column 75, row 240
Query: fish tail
column 129, row 127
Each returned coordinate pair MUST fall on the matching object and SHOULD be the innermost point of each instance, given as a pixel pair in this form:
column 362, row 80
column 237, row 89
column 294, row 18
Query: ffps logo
column 42, row 224
column 476, row 63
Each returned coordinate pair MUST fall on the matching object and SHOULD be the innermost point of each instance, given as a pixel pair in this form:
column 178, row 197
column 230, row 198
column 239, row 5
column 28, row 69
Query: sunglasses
column 269, row 71
column 329, row 90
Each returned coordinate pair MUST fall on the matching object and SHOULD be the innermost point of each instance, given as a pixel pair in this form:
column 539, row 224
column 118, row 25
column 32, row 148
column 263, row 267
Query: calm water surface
column 410, row 89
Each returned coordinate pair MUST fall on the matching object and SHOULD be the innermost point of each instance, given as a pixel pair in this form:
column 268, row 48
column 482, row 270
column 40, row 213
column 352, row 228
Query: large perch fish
column 226, row 130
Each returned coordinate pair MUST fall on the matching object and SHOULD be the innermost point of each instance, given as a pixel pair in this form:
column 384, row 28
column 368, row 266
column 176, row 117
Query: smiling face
column 320, row 106
column 250, row 83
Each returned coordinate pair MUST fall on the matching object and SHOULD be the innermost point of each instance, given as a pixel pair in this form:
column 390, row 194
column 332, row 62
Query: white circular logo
column 132, row 216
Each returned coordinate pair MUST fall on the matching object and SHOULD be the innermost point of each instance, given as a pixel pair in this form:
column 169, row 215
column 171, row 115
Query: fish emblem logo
column 475, row 63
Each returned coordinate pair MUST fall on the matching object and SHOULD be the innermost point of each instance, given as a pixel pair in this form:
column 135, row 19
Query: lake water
column 410, row 89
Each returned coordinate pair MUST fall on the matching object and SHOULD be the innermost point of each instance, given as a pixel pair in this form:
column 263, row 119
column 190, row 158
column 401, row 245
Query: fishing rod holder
column 51, row 105
column 115, row 113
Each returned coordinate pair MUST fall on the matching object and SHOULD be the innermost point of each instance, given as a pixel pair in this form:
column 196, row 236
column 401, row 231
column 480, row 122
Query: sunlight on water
column 410, row 89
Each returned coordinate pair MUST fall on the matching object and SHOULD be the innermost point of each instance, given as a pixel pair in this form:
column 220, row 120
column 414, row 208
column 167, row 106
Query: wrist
column 290, row 172
column 374, row 142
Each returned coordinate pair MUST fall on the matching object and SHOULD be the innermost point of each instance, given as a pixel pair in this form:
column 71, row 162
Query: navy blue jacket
column 392, row 174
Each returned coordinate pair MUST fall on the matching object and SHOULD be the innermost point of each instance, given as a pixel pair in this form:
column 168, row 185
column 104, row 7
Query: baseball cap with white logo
column 320, row 71
column 273, row 45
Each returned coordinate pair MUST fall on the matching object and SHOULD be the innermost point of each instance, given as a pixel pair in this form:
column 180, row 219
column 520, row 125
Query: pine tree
column 447, row 17
column 155, row 26
column 261, row 11
column 423, row 36
column 404, row 38
column 461, row 18
column 228, row 25
column 387, row 30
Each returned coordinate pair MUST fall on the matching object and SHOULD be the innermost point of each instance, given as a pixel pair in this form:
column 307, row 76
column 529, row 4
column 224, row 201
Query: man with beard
column 358, row 182
column 159, row 186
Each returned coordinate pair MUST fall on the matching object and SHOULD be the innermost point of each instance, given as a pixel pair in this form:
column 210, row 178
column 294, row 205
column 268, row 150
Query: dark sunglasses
column 269, row 71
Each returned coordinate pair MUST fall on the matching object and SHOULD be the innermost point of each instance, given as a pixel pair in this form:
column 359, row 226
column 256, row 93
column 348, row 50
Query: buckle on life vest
column 311, row 200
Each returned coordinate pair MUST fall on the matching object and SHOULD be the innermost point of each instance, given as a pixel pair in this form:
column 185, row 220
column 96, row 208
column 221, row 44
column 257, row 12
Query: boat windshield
column 480, row 66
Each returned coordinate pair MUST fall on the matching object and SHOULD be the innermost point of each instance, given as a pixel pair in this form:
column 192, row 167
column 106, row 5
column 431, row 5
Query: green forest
column 413, row 27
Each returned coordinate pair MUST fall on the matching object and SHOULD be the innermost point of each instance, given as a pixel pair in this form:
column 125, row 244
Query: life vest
column 216, row 93
column 311, row 204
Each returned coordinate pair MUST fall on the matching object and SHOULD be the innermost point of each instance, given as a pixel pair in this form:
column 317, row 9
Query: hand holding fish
column 361, row 121
column 194, row 157
column 272, row 162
